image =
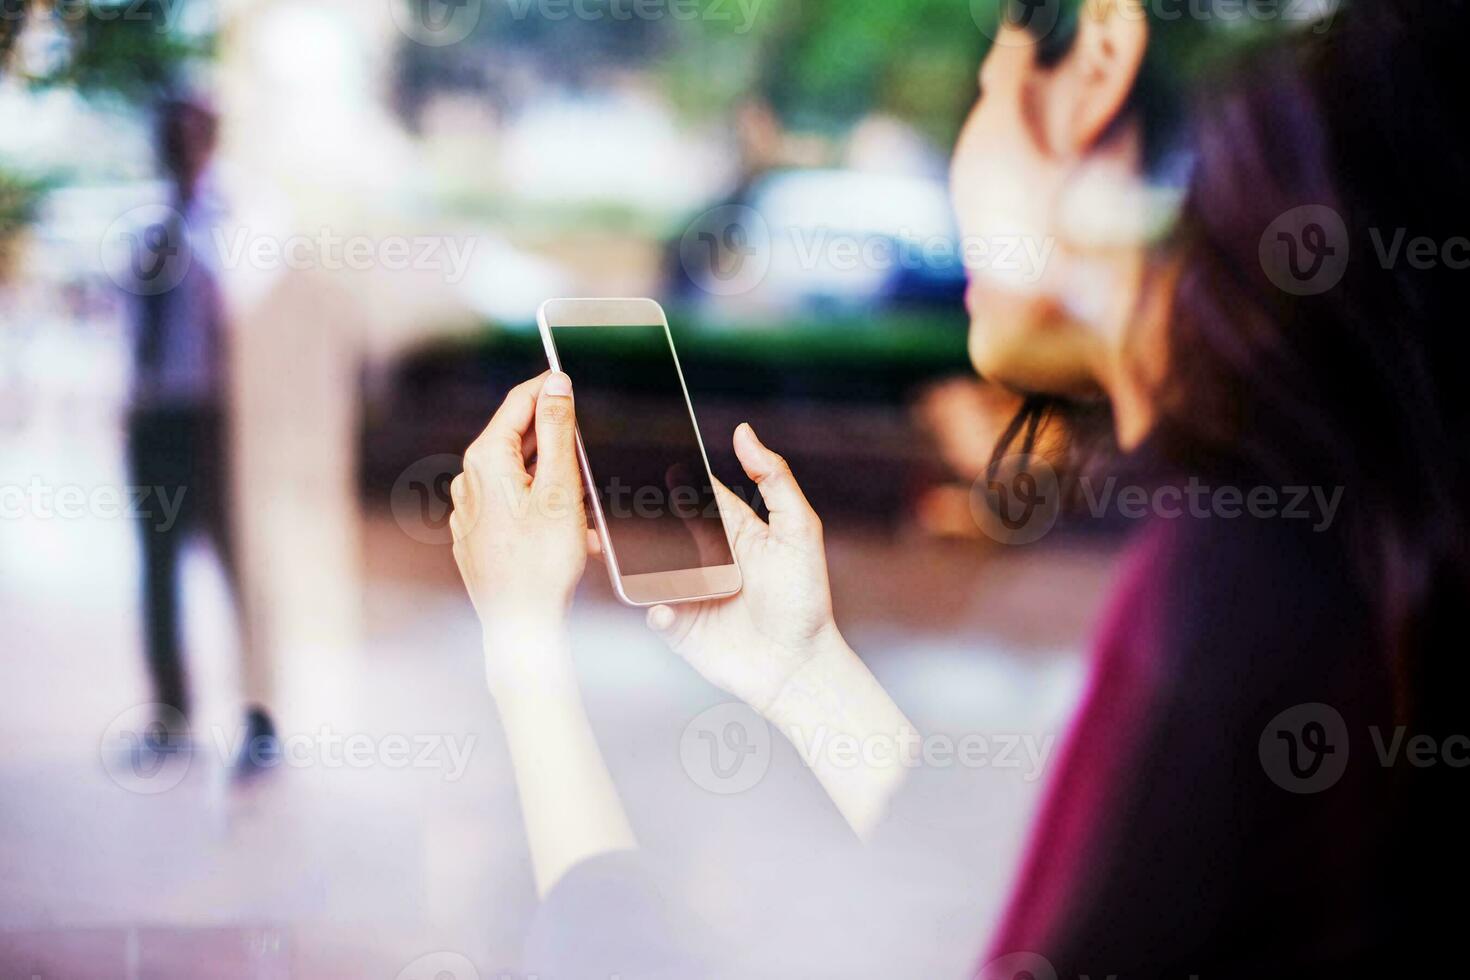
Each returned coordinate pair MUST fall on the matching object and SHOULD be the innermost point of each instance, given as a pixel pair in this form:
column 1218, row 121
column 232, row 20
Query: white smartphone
column 650, row 489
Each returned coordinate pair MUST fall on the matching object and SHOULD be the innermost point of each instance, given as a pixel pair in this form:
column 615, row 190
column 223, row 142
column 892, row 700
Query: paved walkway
column 393, row 835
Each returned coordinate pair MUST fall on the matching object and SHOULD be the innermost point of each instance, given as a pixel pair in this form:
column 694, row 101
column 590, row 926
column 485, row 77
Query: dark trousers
column 179, row 457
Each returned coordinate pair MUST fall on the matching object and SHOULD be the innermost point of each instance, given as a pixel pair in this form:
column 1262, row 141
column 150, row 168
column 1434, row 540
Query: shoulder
column 1218, row 605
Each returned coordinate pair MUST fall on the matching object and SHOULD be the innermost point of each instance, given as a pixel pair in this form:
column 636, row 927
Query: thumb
column 673, row 623
column 735, row 512
column 791, row 515
column 556, row 435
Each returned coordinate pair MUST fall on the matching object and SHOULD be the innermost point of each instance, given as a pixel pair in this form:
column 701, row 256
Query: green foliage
column 115, row 49
column 125, row 51
column 923, row 342
column 13, row 15
column 823, row 64
column 20, row 200
column 835, row 59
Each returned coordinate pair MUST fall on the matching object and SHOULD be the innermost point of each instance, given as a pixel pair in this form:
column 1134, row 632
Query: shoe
column 261, row 750
column 167, row 733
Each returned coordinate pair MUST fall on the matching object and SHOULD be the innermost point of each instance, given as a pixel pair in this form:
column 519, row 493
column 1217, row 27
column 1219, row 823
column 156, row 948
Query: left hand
column 753, row 643
column 520, row 529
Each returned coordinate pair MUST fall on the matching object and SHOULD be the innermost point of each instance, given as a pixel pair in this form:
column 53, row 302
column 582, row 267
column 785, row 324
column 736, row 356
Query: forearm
column 848, row 731
column 568, row 802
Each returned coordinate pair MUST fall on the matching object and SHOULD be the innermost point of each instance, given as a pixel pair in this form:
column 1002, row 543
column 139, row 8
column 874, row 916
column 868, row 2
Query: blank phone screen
column 642, row 448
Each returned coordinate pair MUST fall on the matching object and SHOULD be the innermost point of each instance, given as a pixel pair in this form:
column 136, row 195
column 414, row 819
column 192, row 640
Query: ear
column 1112, row 39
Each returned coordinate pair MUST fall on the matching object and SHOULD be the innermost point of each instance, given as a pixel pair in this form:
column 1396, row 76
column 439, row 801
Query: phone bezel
column 649, row 588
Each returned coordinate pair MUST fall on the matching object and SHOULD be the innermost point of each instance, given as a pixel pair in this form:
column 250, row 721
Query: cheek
column 1004, row 331
column 1027, row 344
column 987, row 349
column 1000, row 183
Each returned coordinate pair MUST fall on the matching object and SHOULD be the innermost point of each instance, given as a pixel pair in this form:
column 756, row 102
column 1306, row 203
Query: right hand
column 752, row 643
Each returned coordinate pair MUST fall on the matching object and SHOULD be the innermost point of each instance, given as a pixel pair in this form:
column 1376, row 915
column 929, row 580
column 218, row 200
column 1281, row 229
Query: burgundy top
column 1220, row 808
column 1177, row 839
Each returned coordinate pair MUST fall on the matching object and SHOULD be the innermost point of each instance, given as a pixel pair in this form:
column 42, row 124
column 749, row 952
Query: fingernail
column 660, row 617
column 557, row 384
column 749, row 431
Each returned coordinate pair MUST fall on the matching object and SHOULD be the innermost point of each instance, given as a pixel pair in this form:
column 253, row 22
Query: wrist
column 828, row 663
column 848, row 731
column 524, row 623
column 528, row 660
column 503, row 611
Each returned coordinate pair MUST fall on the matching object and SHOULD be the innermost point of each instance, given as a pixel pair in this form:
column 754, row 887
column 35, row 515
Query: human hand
column 520, row 528
column 751, row 644
column 521, row 543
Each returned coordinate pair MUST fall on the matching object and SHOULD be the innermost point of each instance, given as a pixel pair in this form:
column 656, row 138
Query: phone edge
column 604, row 537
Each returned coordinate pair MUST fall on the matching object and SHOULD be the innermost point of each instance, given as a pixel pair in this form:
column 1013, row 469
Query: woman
column 1183, row 833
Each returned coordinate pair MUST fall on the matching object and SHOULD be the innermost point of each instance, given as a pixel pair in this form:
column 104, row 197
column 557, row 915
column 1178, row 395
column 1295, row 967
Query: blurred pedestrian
column 178, row 429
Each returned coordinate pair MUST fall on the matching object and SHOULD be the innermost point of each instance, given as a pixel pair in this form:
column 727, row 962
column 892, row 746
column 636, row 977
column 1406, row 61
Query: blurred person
column 178, row 428
column 1181, row 834
column 963, row 418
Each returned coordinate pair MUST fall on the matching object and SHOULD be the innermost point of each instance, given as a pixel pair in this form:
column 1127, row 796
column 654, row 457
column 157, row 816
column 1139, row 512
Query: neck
column 1133, row 368
column 1133, row 416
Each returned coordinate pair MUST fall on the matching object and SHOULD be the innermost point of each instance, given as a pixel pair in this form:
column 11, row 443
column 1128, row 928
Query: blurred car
column 820, row 242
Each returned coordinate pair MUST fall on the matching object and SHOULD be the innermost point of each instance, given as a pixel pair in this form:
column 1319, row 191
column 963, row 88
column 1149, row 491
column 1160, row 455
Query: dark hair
column 1356, row 387
column 186, row 132
column 1359, row 386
